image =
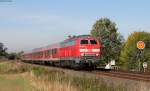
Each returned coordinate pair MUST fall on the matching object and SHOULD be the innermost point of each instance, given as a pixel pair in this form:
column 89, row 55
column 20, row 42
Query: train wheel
column 77, row 66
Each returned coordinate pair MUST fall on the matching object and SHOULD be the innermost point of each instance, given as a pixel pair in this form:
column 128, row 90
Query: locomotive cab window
column 84, row 42
column 93, row 42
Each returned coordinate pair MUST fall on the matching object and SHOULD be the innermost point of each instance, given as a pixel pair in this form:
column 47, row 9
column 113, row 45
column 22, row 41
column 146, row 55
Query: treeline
column 11, row 56
column 125, row 53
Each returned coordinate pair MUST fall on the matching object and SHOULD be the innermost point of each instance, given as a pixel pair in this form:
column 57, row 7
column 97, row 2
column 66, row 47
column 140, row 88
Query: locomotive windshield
column 84, row 42
column 88, row 42
column 93, row 42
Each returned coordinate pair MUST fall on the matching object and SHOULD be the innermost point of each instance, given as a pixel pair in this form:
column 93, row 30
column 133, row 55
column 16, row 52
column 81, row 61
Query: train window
column 93, row 42
column 41, row 54
column 71, row 42
column 34, row 54
column 68, row 43
column 49, row 52
column 84, row 42
column 62, row 44
column 45, row 53
column 54, row 51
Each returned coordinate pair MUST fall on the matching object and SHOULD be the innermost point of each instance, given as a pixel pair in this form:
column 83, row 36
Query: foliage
column 12, row 67
column 130, row 53
column 13, row 55
column 3, row 50
column 19, row 54
column 106, row 32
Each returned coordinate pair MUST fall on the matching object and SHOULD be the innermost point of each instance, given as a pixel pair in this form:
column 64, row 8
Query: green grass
column 14, row 83
column 11, row 78
column 81, row 83
column 23, row 77
column 11, row 67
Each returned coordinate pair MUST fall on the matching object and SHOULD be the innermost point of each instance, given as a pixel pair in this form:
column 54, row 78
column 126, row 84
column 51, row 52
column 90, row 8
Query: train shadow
column 102, row 69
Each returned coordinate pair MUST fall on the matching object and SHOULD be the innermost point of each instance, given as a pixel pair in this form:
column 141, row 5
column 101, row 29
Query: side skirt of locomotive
column 77, row 63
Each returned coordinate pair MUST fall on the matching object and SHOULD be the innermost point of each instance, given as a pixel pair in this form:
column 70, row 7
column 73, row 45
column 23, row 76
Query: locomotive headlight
column 83, row 50
column 82, row 54
column 97, row 54
column 95, row 50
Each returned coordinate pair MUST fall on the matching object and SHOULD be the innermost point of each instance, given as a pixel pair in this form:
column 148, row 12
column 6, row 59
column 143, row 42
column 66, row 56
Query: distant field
column 15, row 76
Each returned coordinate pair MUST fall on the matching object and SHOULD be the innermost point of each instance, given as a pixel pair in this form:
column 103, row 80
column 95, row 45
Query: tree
column 106, row 32
column 130, row 53
column 19, row 54
column 3, row 50
column 13, row 55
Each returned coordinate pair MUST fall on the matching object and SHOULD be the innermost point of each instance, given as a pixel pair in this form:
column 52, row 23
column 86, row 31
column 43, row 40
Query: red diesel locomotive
column 76, row 52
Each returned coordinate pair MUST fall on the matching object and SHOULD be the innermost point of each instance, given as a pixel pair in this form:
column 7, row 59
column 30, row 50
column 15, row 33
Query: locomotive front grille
column 89, row 54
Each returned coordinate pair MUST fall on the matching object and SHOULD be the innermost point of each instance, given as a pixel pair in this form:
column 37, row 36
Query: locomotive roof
column 75, row 37
column 80, row 36
column 83, row 36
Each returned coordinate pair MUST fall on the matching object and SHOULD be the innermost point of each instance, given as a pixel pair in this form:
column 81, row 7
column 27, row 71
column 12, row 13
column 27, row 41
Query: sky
column 28, row 24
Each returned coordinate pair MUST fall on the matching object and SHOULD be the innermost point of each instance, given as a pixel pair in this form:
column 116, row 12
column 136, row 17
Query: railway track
column 126, row 75
column 118, row 74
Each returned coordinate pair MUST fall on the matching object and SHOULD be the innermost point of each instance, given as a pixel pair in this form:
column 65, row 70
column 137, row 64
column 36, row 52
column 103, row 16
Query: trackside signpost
column 141, row 46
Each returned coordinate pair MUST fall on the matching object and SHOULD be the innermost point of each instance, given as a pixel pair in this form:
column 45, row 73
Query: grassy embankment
column 22, row 77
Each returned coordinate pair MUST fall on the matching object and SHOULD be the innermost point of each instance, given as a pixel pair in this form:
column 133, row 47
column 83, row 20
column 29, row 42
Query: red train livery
column 77, row 52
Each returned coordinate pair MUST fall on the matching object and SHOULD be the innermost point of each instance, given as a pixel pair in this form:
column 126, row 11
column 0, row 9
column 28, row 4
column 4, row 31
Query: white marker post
column 144, row 65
